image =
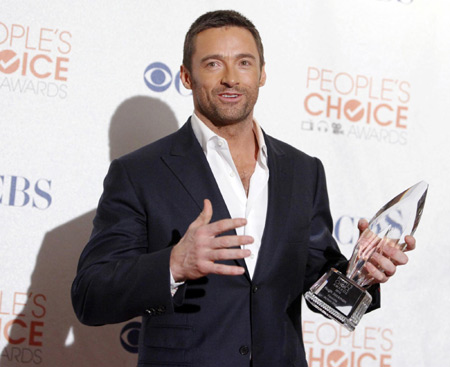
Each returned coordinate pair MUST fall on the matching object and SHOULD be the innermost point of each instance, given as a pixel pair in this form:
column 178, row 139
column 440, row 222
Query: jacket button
column 244, row 350
column 255, row 289
column 161, row 309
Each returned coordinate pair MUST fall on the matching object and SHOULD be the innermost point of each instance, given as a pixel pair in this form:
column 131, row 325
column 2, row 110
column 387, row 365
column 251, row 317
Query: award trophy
column 344, row 298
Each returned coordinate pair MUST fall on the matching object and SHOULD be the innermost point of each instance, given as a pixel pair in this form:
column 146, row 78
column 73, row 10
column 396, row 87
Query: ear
column 185, row 77
column 262, row 78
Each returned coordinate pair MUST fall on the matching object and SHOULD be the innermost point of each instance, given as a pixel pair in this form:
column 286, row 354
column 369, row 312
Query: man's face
column 225, row 76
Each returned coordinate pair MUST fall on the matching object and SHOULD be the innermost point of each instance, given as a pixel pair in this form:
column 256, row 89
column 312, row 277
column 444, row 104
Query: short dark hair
column 218, row 19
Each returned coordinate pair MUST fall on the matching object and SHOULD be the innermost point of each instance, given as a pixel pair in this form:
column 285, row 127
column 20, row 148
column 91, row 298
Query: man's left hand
column 383, row 265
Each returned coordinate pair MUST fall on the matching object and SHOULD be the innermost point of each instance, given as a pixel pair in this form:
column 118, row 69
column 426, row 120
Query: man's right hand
column 195, row 255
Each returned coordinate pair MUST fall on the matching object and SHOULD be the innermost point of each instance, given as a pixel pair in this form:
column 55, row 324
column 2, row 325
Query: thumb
column 363, row 224
column 206, row 214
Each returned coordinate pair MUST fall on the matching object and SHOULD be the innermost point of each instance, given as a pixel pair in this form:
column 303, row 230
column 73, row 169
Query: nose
column 230, row 77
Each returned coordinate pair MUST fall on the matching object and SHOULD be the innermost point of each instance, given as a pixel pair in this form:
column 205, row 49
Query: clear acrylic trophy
column 344, row 298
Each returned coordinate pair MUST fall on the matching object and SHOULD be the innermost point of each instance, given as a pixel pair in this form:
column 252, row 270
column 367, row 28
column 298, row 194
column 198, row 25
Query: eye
column 157, row 76
column 245, row 62
column 129, row 337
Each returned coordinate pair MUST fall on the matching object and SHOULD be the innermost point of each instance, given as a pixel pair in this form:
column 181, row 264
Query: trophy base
column 339, row 298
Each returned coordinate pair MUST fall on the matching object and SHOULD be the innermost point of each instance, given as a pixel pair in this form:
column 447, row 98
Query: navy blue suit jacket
column 150, row 197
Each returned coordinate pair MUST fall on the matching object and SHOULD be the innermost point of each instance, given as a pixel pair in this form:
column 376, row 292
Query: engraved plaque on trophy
column 343, row 297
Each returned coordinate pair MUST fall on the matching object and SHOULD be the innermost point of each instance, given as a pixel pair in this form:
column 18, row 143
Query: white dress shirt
column 253, row 207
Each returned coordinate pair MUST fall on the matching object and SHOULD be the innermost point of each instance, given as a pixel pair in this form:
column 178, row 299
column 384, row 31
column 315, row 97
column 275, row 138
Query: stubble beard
column 221, row 114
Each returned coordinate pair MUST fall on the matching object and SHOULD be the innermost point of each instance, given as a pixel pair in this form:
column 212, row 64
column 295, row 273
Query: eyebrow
column 221, row 57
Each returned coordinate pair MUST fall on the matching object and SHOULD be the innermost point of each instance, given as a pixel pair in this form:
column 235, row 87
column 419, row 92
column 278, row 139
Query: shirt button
column 231, row 174
column 219, row 143
column 244, row 350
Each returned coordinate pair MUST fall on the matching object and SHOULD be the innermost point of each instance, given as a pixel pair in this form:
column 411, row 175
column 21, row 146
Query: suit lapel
column 280, row 189
column 188, row 163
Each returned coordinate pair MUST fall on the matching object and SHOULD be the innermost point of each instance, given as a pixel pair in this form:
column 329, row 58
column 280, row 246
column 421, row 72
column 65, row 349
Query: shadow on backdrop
column 65, row 342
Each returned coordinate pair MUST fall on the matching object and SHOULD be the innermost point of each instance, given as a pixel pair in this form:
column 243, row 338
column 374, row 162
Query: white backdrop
column 361, row 84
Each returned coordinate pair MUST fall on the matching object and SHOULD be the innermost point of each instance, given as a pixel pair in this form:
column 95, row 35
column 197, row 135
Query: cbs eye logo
column 158, row 77
column 129, row 337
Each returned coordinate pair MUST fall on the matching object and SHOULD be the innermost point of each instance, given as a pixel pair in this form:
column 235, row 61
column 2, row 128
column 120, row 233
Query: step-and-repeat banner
column 361, row 84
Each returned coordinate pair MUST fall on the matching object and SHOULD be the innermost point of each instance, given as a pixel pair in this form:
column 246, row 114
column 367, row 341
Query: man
column 213, row 233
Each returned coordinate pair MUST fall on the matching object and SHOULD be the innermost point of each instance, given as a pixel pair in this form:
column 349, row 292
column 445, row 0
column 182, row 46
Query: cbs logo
column 158, row 77
column 346, row 229
column 129, row 336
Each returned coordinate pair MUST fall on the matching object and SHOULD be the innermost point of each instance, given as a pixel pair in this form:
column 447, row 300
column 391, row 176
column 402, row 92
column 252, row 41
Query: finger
column 396, row 255
column 204, row 216
column 223, row 225
column 375, row 274
column 383, row 264
column 362, row 225
column 410, row 243
column 231, row 241
column 229, row 254
column 223, row 269
column 207, row 212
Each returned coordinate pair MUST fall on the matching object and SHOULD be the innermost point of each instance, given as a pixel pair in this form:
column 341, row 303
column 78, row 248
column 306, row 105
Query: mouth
column 230, row 96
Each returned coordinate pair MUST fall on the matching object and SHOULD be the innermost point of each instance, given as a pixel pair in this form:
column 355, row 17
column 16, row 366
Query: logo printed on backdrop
column 34, row 60
column 331, row 345
column 158, row 78
column 18, row 191
column 357, row 106
column 346, row 230
column 24, row 332
column 129, row 336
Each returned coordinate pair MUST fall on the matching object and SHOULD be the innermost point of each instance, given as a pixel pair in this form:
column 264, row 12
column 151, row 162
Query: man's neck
column 239, row 135
column 243, row 145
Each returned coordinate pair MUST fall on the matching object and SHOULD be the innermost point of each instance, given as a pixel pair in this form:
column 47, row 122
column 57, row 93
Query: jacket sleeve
column 117, row 278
